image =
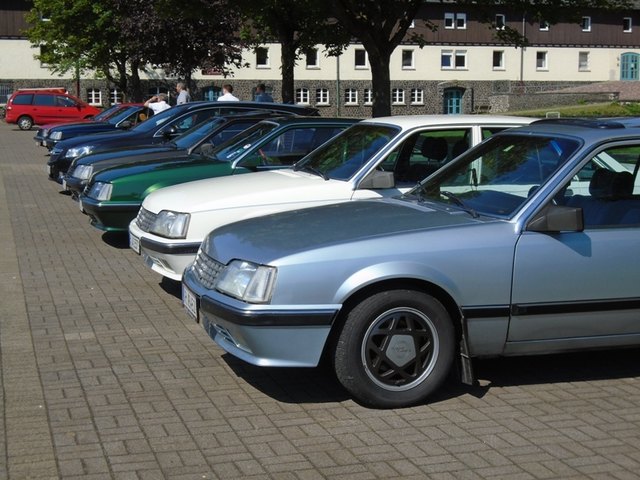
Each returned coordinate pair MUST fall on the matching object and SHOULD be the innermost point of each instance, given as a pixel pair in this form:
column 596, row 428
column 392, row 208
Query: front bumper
column 58, row 167
column 264, row 335
column 109, row 216
column 75, row 185
column 167, row 257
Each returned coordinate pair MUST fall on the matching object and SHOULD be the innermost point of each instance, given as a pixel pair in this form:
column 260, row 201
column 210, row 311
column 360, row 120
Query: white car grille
column 145, row 219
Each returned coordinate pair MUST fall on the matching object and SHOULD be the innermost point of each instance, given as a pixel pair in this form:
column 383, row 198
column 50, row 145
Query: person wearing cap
column 157, row 103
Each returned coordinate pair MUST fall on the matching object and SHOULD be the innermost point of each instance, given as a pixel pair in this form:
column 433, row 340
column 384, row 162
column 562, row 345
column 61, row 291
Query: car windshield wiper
column 309, row 168
column 455, row 199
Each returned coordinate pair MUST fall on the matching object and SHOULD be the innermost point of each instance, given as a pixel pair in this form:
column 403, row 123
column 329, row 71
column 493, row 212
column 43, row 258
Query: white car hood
column 245, row 190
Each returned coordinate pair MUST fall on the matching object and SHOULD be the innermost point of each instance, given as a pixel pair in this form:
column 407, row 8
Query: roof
column 412, row 121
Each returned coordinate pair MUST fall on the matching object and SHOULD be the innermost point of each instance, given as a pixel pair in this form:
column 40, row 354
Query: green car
column 113, row 196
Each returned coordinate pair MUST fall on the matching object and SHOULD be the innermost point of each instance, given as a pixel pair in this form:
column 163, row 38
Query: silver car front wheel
column 395, row 348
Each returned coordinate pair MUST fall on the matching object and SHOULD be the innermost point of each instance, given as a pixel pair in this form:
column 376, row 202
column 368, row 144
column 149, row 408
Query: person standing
column 227, row 94
column 157, row 103
column 183, row 94
column 262, row 95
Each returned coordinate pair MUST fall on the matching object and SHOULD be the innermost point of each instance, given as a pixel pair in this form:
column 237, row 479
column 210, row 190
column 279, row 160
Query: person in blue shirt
column 262, row 95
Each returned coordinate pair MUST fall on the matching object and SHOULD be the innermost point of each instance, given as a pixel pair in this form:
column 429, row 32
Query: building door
column 453, row 100
column 629, row 66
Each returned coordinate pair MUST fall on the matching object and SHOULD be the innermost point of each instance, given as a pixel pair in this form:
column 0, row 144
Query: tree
column 298, row 25
column 121, row 38
column 381, row 25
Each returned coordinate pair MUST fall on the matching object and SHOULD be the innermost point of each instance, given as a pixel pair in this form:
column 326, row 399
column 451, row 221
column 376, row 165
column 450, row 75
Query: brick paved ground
column 104, row 377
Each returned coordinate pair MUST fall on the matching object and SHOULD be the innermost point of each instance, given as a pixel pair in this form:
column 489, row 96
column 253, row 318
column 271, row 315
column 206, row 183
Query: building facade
column 462, row 69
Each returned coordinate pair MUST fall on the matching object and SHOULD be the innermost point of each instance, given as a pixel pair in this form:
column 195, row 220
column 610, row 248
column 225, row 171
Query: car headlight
column 171, row 224
column 101, row 191
column 55, row 135
column 77, row 151
column 247, row 281
column 83, row 172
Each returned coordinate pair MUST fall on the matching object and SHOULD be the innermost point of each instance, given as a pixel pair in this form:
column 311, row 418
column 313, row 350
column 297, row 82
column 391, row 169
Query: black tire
column 25, row 122
column 395, row 349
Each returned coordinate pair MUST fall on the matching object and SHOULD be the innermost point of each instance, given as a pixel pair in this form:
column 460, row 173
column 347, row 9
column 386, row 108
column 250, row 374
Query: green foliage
column 613, row 109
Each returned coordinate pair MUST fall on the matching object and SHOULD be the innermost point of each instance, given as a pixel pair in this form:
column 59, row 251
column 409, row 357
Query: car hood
column 173, row 167
column 130, row 155
column 271, row 237
column 98, row 138
column 63, row 126
column 260, row 188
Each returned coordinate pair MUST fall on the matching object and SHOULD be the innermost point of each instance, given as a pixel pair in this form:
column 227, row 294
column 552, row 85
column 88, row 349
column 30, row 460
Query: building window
column 627, row 24
column 498, row 60
column 262, row 57
column 360, row 58
column 368, row 96
column 461, row 21
column 453, row 59
column 500, row 21
column 397, row 96
column 417, row 96
column 322, row 96
column 407, row 60
column 585, row 24
column 541, row 61
column 544, row 26
column 350, row 96
column 583, row 61
column 94, row 96
column 455, row 20
column 115, row 96
column 302, row 96
column 313, row 60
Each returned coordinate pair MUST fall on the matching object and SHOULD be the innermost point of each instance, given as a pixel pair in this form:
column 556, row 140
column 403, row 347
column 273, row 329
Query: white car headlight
column 171, row 224
column 101, row 191
column 83, row 172
column 77, row 151
column 247, row 281
column 56, row 135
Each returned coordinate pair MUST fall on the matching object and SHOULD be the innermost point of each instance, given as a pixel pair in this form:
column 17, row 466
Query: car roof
column 413, row 121
column 592, row 129
column 285, row 120
column 286, row 107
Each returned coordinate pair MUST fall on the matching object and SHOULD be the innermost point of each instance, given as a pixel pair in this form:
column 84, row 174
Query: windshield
column 236, row 146
column 108, row 113
column 496, row 178
column 122, row 114
column 342, row 157
column 198, row 132
column 155, row 121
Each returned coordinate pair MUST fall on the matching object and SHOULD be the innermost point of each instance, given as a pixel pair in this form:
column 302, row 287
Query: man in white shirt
column 157, row 103
column 227, row 94
column 183, row 94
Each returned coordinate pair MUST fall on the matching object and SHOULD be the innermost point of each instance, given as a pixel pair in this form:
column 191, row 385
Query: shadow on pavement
column 119, row 240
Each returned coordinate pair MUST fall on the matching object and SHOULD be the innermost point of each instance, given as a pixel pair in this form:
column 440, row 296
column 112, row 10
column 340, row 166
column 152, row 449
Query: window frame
column 586, row 67
column 92, row 92
column 367, row 96
column 627, row 24
column 411, row 53
column 350, row 96
column 398, row 96
column 267, row 60
column 500, row 25
column 544, row 26
column 501, row 63
column 416, row 96
column 542, row 55
column 585, row 23
column 301, row 93
column 316, row 64
column 364, row 65
column 323, row 96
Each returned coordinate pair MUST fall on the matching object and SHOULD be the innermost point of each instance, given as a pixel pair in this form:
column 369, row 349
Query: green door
column 453, row 101
column 629, row 66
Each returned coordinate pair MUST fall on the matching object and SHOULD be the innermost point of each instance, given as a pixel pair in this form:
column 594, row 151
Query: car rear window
column 44, row 100
column 22, row 99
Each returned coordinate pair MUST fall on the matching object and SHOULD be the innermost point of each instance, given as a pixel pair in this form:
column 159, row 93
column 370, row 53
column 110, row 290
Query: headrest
column 607, row 184
column 435, row 148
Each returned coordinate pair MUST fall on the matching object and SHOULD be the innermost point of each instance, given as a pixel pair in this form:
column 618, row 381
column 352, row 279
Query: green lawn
column 613, row 109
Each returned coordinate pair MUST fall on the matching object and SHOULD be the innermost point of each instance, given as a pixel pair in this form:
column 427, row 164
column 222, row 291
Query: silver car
column 526, row 244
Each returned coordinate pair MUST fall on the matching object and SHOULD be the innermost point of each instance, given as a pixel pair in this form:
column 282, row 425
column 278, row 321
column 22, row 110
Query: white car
column 379, row 157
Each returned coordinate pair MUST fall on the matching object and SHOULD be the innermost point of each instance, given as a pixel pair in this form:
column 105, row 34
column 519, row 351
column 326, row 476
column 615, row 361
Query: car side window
column 65, row 101
column 607, row 189
column 44, row 100
column 425, row 152
column 183, row 124
column 23, row 99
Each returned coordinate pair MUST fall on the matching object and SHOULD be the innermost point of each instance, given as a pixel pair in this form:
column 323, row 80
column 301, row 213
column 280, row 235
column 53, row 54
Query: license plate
column 190, row 303
column 64, row 184
column 134, row 243
column 47, row 168
column 80, row 205
column 43, row 143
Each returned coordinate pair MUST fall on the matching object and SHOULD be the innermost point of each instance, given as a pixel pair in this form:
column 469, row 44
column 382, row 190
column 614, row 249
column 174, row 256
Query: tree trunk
column 381, row 82
column 288, row 59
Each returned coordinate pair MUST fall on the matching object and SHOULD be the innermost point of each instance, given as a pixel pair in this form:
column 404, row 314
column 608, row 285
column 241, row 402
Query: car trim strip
column 170, row 248
column 575, row 307
column 269, row 318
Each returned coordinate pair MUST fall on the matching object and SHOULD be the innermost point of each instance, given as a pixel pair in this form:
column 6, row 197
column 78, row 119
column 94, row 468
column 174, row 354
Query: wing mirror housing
column 556, row 218
column 378, row 179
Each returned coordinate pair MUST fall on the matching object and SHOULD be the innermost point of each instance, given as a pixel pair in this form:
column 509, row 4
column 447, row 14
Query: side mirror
column 125, row 125
column 169, row 133
column 556, row 218
column 378, row 180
